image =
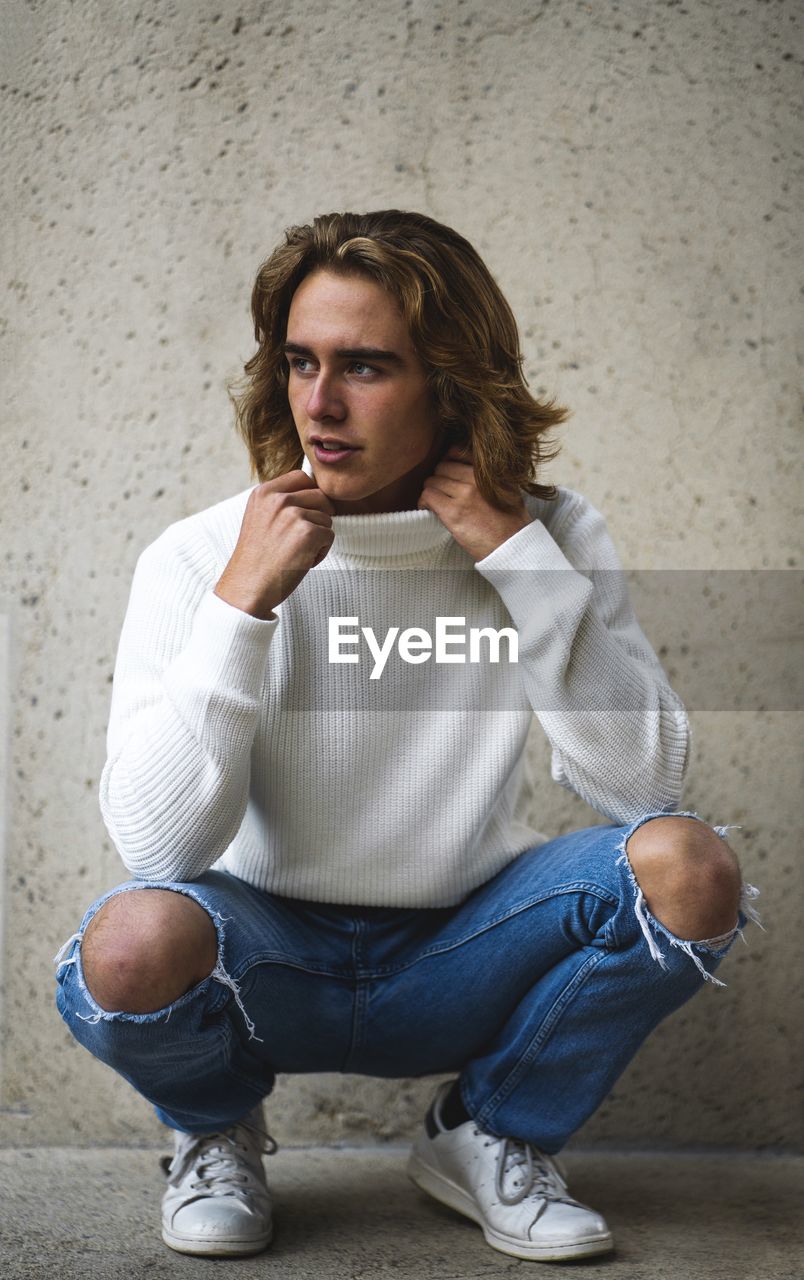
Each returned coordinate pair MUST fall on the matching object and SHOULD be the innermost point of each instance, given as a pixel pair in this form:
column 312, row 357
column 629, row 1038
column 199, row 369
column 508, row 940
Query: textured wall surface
column 631, row 173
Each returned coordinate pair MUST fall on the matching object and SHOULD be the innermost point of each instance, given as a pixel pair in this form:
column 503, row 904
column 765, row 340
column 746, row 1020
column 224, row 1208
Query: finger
column 442, row 485
column 311, row 499
column 288, row 483
column 321, row 518
column 455, row 470
column 279, row 493
column 435, row 504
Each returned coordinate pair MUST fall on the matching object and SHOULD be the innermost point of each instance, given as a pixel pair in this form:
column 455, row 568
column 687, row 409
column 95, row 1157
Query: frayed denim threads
column 536, row 990
column 650, row 926
column 218, row 974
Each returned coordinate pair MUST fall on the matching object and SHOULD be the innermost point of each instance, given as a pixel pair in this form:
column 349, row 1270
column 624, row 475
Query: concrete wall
column 629, row 171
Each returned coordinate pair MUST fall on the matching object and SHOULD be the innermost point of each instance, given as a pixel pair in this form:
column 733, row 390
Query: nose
column 324, row 401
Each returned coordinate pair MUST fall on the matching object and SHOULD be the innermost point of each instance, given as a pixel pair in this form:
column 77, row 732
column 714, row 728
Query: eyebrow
column 349, row 353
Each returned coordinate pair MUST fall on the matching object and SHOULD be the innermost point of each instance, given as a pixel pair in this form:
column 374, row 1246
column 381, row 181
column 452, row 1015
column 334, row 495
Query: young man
column 314, row 774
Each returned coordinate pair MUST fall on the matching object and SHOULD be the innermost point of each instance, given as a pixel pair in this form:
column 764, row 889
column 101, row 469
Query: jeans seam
column 391, row 970
column 342, row 973
column 573, row 887
column 545, row 1029
column 359, row 999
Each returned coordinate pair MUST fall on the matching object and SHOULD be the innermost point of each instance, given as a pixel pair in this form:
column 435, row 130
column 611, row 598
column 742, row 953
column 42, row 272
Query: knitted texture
column 238, row 742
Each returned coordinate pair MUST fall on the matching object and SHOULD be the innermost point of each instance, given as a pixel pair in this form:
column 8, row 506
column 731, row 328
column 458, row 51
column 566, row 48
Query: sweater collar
column 389, row 535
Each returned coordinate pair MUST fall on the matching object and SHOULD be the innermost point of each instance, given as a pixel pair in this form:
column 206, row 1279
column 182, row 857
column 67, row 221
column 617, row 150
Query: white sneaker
column 514, row 1191
column 217, row 1201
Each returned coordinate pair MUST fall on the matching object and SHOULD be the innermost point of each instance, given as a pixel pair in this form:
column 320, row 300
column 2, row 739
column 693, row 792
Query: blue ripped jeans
column 537, row 990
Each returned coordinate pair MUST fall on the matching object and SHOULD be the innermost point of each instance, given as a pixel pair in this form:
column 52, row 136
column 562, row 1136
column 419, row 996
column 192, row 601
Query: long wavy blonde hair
column 461, row 326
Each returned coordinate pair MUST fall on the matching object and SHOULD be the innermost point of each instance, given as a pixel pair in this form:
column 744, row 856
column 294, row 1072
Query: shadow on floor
column 352, row 1214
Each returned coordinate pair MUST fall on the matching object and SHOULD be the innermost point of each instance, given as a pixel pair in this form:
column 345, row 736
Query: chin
column 342, row 490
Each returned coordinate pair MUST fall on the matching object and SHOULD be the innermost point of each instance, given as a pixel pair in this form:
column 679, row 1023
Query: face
column 356, row 384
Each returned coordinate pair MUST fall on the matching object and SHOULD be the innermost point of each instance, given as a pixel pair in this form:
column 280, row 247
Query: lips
column 331, row 442
column 330, row 450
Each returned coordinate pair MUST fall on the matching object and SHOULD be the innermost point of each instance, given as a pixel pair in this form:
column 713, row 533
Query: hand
column 286, row 529
column 452, row 494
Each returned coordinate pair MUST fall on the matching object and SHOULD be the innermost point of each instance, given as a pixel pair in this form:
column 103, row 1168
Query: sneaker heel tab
column 431, row 1128
column 432, row 1121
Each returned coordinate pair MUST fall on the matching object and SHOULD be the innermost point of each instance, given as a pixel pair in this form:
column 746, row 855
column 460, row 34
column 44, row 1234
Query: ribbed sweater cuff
column 530, row 571
column 229, row 646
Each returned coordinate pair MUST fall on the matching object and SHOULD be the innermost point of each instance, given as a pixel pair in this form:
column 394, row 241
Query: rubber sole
column 450, row 1194
column 215, row 1248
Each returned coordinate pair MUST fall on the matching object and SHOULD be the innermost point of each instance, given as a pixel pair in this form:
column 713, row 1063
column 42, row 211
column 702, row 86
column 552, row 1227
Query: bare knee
column 689, row 875
column 144, row 948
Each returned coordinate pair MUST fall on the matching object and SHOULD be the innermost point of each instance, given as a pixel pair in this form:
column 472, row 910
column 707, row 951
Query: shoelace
column 540, row 1174
column 217, row 1159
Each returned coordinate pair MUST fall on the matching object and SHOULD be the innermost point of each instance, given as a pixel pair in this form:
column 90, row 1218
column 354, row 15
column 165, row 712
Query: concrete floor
column 352, row 1214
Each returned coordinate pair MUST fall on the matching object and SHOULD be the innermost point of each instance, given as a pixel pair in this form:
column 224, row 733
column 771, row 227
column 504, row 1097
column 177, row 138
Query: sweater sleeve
column 185, row 705
column 619, row 734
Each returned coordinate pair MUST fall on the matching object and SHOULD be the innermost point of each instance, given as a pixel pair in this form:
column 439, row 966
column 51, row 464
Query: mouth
column 327, row 449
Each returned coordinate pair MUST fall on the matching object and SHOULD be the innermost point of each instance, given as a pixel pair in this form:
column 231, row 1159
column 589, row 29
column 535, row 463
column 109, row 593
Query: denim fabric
column 536, row 990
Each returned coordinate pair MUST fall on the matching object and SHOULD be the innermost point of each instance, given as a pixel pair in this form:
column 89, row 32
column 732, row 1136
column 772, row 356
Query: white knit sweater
column 236, row 742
